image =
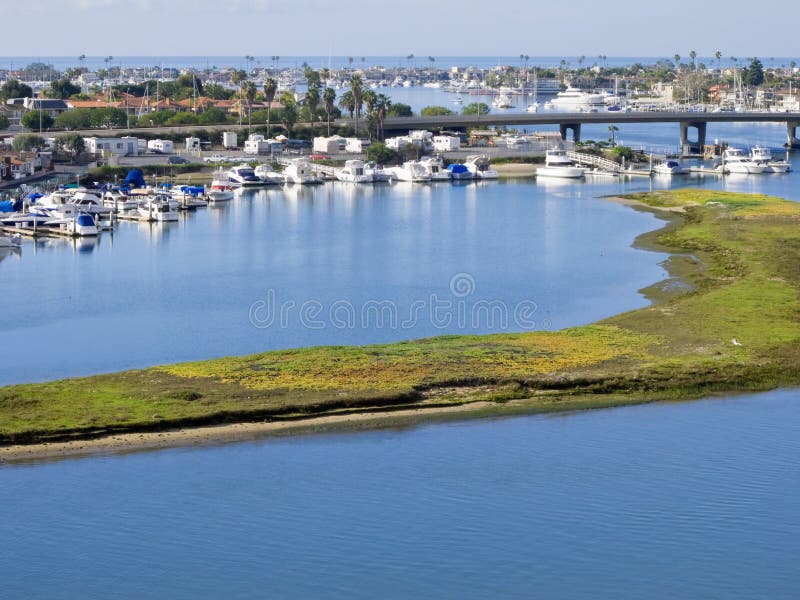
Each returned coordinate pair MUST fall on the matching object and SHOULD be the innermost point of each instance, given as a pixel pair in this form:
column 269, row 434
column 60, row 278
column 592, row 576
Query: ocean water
column 693, row 500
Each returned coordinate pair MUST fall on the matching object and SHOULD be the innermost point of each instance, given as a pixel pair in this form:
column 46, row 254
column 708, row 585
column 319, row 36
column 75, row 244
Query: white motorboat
column 503, row 101
column 90, row 202
column 411, row 171
column 379, row 174
column 478, row 165
column 459, row 172
column 299, row 171
column 119, row 201
column 573, row 99
column 79, row 225
column 221, row 188
column 268, row 175
column 434, row 167
column 458, row 99
column 353, row 172
column 189, row 196
column 558, row 164
column 669, row 167
column 533, row 107
column 158, row 208
column 763, row 156
column 243, row 176
column 734, row 160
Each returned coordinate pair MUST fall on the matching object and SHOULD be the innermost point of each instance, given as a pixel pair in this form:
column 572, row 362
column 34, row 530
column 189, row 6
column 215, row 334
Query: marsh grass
column 731, row 324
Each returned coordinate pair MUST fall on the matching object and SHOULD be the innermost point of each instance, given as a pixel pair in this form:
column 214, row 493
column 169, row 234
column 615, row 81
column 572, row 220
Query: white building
column 356, row 145
column 124, row 146
column 398, row 143
column 446, row 143
column 193, row 144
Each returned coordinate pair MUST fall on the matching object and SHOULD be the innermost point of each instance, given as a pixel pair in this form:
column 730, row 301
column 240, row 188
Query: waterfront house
column 20, row 164
column 46, row 105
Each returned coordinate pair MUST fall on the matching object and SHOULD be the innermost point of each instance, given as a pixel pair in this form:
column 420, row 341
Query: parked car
column 177, row 160
column 318, row 156
column 216, row 158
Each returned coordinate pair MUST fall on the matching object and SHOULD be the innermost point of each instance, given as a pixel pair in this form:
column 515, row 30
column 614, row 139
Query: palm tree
column 312, row 102
column 718, row 56
column 677, row 58
column 347, row 102
column 357, row 87
column 237, row 77
column 329, row 99
column 249, row 89
column 382, row 105
column 270, row 89
column 613, row 129
column 370, row 98
column 693, row 56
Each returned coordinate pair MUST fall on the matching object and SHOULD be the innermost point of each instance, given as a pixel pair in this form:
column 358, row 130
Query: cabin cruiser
column 80, row 224
column 459, row 172
column 353, row 172
column 299, row 171
column 189, row 196
column 434, row 166
column 158, row 208
column 558, row 164
column 221, row 188
column 573, row 98
column 734, row 160
column 90, row 202
column 503, row 101
column 478, row 165
column 119, row 201
column 243, row 176
column 411, row 171
column 379, row 174
column 763, row 156
column 268, row 175
column 669, row 167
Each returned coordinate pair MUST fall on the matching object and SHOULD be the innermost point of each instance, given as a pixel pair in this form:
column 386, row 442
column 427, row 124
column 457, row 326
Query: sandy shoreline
column 219, row 434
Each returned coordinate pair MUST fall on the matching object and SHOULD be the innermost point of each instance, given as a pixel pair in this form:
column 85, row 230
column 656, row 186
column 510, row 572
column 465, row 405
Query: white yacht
column 434, row 166
column 763, row 156
column 573, row 98
column 558, row 164
column 158, row 208
column 221, row 189
column 411, row 170
column 268, row 175
column 299, row 171
column 533, row 107
column 243, row 176
column 459, row 172
column 734, row 160
column 80, row 224
column 478, row 165
column 90, row 202
column 503, row 101
column 379, row 174
column 353, row 172
column 119, row 201
column 669, row 167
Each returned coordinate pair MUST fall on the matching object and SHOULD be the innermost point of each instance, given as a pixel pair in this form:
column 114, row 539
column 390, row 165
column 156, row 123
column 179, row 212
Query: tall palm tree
column 312, row 102
column 370, row 98
column 382, row 105
column 357, row 87
column 677, row 58
column 718, row 56
column 613, row 129
column 347, row 102
column 237, row 77
column 249, row 89
column 329, row 99
column 693, row 56
column 270, row 89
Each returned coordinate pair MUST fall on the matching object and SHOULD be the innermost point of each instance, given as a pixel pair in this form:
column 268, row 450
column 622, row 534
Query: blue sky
column 374, row 28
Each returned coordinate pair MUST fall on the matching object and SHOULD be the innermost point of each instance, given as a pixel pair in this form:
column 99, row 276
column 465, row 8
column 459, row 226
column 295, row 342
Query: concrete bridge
column 571, row 122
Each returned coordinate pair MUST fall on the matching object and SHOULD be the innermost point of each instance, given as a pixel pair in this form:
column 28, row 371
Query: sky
column 396, row 28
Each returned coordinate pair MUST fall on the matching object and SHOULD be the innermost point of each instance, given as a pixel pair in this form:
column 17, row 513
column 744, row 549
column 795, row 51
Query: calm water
column 682, row 500
column 695, row 500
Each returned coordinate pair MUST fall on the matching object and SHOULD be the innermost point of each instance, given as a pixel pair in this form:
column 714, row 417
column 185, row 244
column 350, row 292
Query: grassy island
column 728, row 320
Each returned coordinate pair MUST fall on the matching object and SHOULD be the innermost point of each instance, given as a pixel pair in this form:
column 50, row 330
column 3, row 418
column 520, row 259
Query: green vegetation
column 4, row 122
column 435, row 111
column 475, row 108
column 37, row 119
column 15, row 89
column 28, row 141
column 733, row 325
column 382, row 155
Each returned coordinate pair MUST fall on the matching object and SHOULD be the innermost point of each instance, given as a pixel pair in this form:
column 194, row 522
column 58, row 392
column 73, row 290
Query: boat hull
column 561, row 172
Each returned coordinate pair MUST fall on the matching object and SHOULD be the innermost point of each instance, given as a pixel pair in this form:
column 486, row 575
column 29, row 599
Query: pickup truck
column 216, row 158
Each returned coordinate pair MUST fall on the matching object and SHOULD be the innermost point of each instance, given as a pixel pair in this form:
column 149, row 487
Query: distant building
column 124, row 146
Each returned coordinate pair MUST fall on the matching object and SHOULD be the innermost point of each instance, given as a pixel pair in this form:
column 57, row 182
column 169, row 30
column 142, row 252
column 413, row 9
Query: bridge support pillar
column 693, row 146
column 791, row 134
column 576, row 131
